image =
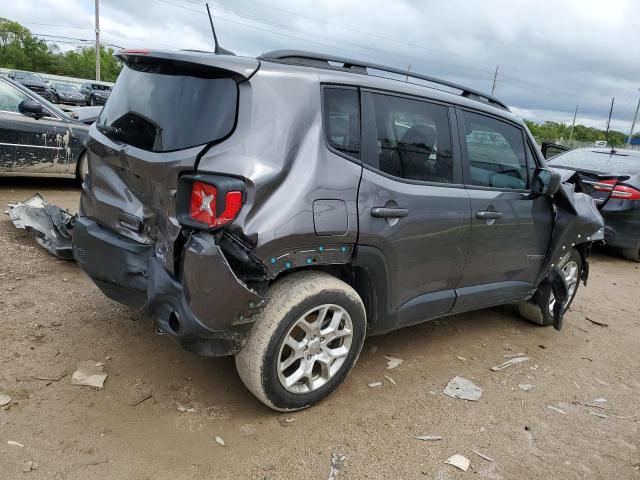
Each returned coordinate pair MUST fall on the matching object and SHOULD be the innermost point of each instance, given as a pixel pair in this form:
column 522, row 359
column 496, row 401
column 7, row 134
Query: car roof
column 246, row 66
column 392, row 85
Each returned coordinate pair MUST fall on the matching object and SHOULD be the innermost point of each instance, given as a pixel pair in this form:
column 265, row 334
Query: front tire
column 539, row 309
column 305, row 341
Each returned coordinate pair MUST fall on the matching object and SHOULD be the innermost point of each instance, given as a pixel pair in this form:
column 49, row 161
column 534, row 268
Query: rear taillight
column 209, row 201
column 619, row 191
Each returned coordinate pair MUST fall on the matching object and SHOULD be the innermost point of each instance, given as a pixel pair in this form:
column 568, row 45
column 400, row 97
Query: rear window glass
column 161, row 109
column 601, row 162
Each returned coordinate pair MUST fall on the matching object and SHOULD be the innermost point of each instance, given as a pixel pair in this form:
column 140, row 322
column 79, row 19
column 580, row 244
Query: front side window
column 413, row 139
column 10, row 98
column 342, row 120
column 496, row 152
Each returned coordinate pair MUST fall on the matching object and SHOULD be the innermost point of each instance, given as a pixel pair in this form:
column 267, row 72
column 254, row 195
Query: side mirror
column 31, row 107
column 545, row 182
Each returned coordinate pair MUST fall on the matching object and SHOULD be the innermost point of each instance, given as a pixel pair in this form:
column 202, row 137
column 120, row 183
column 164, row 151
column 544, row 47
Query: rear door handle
column 386, row 212
column 488, row 215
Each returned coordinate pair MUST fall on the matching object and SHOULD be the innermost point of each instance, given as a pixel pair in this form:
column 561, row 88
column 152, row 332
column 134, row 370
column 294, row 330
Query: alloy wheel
column 315, row 348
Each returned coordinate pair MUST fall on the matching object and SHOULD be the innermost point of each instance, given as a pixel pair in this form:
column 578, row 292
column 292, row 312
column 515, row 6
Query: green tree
column 20, row 50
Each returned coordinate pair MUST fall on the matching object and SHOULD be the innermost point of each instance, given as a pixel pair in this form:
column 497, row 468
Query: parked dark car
column 280, row 209
column 95, row 93
column 614, row 178
column 67, row 94
column 32, row 81
column 36, row 137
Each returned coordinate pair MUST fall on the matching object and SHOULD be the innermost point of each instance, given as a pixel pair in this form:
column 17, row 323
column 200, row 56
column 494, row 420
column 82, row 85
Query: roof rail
column 320, row 60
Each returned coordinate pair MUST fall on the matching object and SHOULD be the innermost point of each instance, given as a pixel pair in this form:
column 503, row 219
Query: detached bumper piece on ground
column 51, row 225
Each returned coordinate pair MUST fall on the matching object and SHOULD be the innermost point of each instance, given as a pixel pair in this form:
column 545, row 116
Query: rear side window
column 496, row 152
column 161, row 109
column 342, row 120
column 413, row 139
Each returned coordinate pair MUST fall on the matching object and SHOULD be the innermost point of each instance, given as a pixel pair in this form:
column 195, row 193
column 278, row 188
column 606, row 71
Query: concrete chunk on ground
column 459, row 461
column 90, row 374
column 463, row 389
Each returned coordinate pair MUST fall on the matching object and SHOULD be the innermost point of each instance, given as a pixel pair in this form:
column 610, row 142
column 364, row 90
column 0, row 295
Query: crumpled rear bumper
column 207, row 309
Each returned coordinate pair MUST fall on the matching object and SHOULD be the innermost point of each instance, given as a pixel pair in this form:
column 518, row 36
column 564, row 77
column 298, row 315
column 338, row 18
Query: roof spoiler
column 240, row 68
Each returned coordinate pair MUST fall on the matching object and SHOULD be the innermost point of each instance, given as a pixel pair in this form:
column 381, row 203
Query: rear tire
column 325, row 348
column 631, row 254
column 539, row 308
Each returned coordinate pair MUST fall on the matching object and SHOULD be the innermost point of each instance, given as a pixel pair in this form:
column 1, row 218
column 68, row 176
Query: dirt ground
column 52, row 317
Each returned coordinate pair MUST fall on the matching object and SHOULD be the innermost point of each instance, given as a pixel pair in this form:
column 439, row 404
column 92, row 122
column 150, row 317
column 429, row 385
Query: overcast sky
column 552, row 54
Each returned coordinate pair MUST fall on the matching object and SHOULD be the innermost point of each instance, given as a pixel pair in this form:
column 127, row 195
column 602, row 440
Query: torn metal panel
column 577, row 222
column 52, row 226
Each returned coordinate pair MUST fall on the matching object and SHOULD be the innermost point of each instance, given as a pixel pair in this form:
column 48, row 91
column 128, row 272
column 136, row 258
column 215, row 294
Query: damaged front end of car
column 577, row 224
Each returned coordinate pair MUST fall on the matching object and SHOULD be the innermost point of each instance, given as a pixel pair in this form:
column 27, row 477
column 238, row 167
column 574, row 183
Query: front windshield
column 66, row 87
column 28, row 76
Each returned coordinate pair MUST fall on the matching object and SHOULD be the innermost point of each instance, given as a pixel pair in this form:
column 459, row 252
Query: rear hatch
column 165, row 110
column 601, row 171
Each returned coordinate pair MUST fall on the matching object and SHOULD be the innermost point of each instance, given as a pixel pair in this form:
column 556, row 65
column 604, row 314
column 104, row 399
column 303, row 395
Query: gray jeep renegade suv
column 280, row 209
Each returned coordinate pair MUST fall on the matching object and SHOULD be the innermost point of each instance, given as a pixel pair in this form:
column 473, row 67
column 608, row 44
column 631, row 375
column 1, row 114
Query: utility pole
column 98, row 40
column 574, row 122
column 606, row 135
column 495, row 75
column 633, row 125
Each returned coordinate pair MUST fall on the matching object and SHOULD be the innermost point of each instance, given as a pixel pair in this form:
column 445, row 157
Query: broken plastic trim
column 51, row 225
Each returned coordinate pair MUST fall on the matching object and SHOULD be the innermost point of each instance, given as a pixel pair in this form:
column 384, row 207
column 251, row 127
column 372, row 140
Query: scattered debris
column 595, row 322
column 286, row 421
column 576, row 384
column 556, row 409
column 50, row 379
column 375, row 384
column 598, row 414
column 28, row 466
column 514, row 355
column 186, row 408
column 510, row 362
column 51, row 225
column 462, row 359
column 141, row 399
column 482, row 455
column 393, row 362
column 390, row 380
column 542, row 346
column 4, row 400
column 337, row 463
column 90, row 374
column 221, row 441
column 14, row 443
column 599, row 400
column 601, row 382
column 459, row 461
column 463, row 389
column 433, row 438
column 526, row 386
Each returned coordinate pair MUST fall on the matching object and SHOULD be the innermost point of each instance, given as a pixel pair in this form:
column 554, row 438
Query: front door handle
column 386, row 212
column 488, row 215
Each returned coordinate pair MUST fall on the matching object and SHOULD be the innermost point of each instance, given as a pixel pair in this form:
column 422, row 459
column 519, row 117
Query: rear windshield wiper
column 109, row 130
